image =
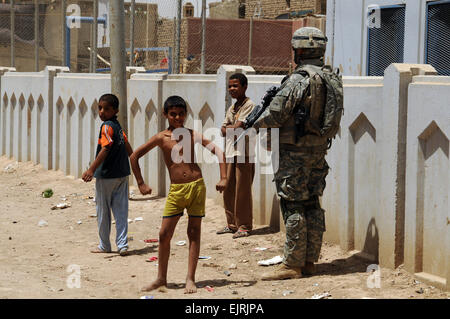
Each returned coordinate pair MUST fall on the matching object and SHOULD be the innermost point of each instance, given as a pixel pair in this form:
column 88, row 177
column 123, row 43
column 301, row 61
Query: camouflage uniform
column 300, row 179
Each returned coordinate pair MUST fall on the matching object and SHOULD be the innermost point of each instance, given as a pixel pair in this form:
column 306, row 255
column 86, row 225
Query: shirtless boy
column 187, row 189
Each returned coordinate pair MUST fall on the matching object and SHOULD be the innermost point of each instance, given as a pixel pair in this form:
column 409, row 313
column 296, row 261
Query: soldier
column 300, row 179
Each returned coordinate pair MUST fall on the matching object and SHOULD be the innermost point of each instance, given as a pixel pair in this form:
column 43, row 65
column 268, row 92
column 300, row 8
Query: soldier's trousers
column 305, row 224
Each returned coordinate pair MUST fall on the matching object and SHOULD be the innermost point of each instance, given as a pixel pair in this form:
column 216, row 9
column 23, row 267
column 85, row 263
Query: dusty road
column 46, row 261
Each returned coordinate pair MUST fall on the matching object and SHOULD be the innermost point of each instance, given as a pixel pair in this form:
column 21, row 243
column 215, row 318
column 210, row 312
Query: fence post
column 63, row 33
column 13, row 17
column 132, row 32
column 177, row 39
column 203, row 62
column 250, row 40
column 95, row 38
column 36, row 35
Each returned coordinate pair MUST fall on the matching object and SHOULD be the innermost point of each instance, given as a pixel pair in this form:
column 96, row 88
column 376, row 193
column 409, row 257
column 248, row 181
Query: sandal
column 241, row 233
column 225, row 230
column 99, row 251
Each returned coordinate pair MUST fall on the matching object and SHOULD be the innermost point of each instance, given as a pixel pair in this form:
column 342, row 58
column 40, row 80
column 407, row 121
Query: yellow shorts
column 191, row 196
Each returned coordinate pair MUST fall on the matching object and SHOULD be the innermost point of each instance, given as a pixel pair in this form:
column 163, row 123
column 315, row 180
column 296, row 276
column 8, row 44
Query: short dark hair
column 174, row 101
column 241, row 77
column 111, row 99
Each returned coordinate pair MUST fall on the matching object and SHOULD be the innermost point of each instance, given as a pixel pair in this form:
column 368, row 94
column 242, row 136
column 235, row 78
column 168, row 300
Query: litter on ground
column 272, row 261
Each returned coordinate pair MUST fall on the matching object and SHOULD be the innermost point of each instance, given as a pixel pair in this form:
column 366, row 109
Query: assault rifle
column 258, row 111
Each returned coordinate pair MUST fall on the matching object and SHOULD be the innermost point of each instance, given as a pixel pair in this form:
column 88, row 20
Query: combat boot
column 283, row 272
column 309, row 268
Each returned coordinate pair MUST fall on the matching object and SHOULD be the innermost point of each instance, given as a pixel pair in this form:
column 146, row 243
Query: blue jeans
column 112, row 194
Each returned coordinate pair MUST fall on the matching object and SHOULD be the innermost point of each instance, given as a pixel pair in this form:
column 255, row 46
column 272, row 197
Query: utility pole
column 132, row 32
column 118, row 58
column 203, row 57
column 177, row 39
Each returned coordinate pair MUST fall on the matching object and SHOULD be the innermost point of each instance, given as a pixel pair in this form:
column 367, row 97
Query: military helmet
column 309, row 38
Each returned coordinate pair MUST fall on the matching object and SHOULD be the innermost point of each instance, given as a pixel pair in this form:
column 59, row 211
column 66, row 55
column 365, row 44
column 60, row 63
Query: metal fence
column 438, row 33
column 386, row 44
column 162, row 36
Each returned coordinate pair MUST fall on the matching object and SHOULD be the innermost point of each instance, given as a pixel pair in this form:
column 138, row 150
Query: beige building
column 266, row 9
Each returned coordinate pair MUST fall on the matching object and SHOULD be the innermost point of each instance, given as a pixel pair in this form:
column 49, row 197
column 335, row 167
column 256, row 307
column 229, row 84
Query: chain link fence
column 233, row 32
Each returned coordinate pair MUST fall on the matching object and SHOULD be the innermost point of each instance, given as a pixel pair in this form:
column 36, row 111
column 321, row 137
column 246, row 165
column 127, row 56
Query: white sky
column 168, row 8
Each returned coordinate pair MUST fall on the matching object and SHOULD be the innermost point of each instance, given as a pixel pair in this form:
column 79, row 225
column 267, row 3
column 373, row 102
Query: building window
column 386, row 43
column 437, row 47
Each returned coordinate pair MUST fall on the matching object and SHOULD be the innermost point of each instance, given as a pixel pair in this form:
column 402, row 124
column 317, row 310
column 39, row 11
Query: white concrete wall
column 387, row 190
column 27, row 107
column 427, row 235
column 75, row 120
column 347, row 33
column 351, row 197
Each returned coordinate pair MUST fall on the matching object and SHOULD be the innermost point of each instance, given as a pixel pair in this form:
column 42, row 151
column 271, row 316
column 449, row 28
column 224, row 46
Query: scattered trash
column 79, row 222
column 154, row 258
column 93, row 199
column 61, row 206
column 138, row 219
column 272, row 261
column 131, row 193
column 113, row 222
column 47, row 193
column 316, row 285
column 417, row 282
column 244, row 261
column 93, row 215
column 130, row 238
column 420, row 291
column 11, row 168
column 146, row 297
column 204, row 257
column 247, row 284
column 232, row 266
column 209, row 288
column 130, row 220
column 260, row 248
column 287, row 292
column 321, row 296
column 227, row 273
column 42, row 223
column 152, row 240
column 180, row 243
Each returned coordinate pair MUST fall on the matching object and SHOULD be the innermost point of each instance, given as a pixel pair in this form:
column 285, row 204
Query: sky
column 168, row 8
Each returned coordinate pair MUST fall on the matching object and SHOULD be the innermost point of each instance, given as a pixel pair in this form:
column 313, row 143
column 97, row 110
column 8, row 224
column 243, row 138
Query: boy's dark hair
column 241, row 77
column 174, row 101
column 111, row 99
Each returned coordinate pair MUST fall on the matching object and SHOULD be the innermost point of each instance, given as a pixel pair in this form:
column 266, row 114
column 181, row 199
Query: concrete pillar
column 3, row 112
column 46, row 125
column 427, row 232
column 393, row 160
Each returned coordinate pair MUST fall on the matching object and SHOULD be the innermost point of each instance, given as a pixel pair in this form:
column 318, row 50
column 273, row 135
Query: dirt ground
column 42, row 261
